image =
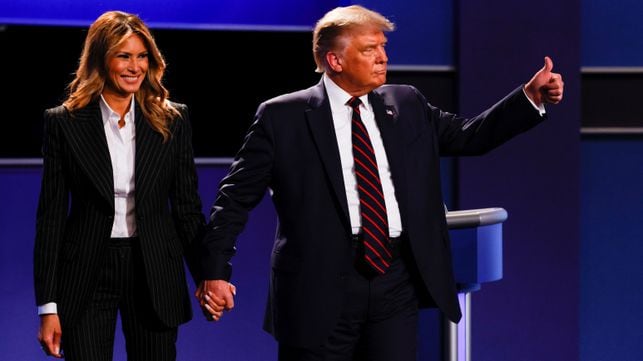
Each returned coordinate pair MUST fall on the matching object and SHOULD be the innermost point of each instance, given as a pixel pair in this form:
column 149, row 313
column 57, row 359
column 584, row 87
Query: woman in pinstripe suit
column 119, row 208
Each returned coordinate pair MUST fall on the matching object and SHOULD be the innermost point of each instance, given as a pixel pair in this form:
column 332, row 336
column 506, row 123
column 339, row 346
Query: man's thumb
column 549, row 65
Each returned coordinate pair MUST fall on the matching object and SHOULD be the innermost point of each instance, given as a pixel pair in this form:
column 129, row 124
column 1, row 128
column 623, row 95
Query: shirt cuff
column 48, row 308
column 540, row 109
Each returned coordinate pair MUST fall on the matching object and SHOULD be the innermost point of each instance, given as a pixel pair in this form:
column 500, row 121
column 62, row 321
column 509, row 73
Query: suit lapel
column 392, row 137
column 150, row 154
column 320, row 123
column 89, row 145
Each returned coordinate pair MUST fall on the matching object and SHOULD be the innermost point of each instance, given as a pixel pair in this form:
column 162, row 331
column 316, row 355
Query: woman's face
column 127, row 67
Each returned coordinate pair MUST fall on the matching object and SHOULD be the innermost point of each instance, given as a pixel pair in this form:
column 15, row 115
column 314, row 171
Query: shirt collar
column 109, row 115
column 338, row 97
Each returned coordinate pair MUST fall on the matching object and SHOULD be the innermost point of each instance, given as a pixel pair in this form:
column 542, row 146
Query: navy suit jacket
column 76, row 211
column 291, row 149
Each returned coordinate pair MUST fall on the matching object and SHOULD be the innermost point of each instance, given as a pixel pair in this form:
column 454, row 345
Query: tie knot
column 354, row 103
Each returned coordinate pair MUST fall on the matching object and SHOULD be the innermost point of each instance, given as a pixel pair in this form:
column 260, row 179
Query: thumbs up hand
column 545, row 86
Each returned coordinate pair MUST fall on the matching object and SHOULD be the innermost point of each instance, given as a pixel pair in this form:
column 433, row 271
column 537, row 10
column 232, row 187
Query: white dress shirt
column 122, row 147
column 342, row 114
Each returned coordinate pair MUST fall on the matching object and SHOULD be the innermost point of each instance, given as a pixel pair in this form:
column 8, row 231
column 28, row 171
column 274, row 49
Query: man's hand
column 215, row 296
column 49, row 335
column 545, row 86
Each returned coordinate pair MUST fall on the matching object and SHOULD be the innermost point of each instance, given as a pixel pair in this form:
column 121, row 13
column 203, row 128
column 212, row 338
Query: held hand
column 213, row 310
column 215, row 296
column 545, row 86
column 49, row 335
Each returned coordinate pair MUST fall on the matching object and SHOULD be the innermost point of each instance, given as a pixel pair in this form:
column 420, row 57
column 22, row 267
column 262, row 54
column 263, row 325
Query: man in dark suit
column 118, row 205
column 353, row 170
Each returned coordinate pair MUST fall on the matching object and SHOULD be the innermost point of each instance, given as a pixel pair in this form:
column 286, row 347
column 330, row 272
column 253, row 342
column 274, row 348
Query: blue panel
column 477, row 254
column 611, row 249
column 169, row 13
column 463, row 247
column 19, row 196
column 424, row 35
column 532, row 313
column 424, row 32
column 489, row 255
column 611, row 33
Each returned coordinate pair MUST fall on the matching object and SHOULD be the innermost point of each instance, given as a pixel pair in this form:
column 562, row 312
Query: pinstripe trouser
column 121, row 288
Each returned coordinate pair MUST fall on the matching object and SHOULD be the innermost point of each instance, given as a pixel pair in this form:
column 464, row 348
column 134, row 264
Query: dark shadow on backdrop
column 222, row 75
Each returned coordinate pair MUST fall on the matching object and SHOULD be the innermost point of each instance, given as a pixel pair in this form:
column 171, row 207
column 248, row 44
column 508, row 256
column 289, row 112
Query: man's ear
column 334, row 61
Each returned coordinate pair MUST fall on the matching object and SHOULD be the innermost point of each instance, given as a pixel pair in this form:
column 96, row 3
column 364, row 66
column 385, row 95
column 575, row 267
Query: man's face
column 362, row 60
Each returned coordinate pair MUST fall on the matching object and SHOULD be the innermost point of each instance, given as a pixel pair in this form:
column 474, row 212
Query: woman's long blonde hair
column 104, row 37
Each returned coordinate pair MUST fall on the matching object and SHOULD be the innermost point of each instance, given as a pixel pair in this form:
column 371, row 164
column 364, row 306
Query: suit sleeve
column 52, row 211
column 512, row 115
column 184, row 196
column 239, row 192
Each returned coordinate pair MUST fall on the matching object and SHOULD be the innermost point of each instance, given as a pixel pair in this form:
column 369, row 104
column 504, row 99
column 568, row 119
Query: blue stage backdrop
column 532, row 313
column 611, row 33
column 430, row 21
column 170, row 13
column 610, row 29
column 611, row 271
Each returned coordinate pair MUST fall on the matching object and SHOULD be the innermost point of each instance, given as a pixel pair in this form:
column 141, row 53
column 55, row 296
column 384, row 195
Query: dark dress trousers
column 76, row 212
column 291, row 149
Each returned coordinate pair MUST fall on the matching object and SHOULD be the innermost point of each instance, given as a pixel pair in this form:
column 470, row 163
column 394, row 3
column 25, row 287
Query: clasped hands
column 215, row 297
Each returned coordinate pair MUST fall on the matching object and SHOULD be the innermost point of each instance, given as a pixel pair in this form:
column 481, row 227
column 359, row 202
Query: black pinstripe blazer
column 76, row 211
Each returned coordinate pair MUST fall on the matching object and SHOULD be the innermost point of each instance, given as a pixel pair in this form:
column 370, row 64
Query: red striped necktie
column 377, row 253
